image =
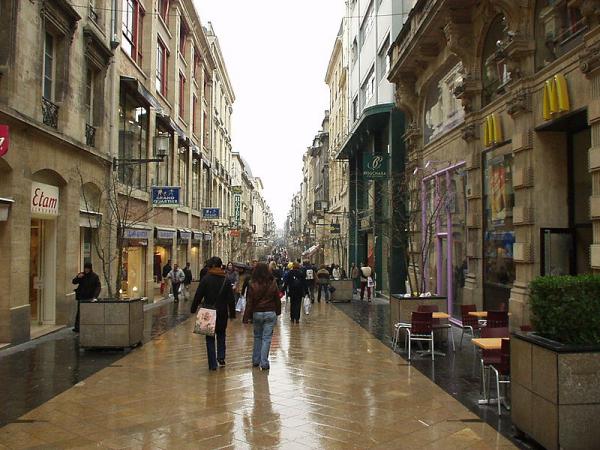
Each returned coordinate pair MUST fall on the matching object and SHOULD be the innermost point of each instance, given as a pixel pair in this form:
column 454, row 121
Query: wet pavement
column 457, row 373
column 37, row 371
column 332, row 384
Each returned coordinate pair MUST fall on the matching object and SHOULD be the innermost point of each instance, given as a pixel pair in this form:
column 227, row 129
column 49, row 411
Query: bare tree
column 124, row 211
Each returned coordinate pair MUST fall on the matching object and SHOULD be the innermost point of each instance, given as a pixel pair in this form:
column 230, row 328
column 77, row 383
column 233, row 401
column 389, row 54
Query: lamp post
column 161, row 150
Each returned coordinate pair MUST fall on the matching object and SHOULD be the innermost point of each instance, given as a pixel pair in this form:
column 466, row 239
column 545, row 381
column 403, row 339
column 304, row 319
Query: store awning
column 89, row 219
column 197, row 235
column 374, row 117
column 311, row 251
column 185, row 234
column 138, row 88
column 168, row 121
column 165, row 233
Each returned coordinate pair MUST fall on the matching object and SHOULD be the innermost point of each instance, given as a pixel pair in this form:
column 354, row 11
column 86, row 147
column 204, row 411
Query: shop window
column 499, row 233
column 49, row 66
column 183, row 34
column 90, row 78
column 163, row 10
column 132, row 29
column 133, row 139
column 182, row 175
column 558, row 28
column 493, row 71
column 196, row 163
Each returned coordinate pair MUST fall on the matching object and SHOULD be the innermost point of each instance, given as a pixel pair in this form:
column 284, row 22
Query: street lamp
column 161, row 149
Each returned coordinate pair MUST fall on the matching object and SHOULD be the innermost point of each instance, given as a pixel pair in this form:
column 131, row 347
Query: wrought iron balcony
column 49, row 113
column 90, row 135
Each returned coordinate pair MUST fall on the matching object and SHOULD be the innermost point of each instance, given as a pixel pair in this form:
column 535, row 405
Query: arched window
column 558, row 28
column 493, row 72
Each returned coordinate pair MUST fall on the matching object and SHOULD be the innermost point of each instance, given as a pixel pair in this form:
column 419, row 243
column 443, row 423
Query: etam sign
column 44, row 200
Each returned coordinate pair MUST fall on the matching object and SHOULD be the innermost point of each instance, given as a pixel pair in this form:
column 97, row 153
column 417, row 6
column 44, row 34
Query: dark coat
column 166, row 269
column 188, row 276
column 262, row 298
column 88, row 286
column 298, row 288
column 207, row 294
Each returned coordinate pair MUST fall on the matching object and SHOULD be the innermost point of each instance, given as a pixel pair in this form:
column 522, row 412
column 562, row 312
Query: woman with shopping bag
column 214, row 293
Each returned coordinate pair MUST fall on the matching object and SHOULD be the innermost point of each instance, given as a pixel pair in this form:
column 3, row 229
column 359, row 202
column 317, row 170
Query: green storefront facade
column 376, row 157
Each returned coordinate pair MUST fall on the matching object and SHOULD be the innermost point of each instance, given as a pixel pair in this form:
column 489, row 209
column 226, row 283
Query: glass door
column 35, row 270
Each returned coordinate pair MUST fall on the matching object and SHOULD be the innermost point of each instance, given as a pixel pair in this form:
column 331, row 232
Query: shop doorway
column 42, row 272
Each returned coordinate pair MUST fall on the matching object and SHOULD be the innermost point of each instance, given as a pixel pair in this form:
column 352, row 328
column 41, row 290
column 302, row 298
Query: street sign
column 375, row 166
column 4, row 139
column 237, row 209
column 165, row 195
column 211, row 213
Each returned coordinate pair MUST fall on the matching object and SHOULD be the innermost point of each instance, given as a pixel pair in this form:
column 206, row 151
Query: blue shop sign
column 134, row 233
column 211, row 213
column 165, row 195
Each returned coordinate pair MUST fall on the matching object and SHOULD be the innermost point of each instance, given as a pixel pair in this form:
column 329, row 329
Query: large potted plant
column 555, row 371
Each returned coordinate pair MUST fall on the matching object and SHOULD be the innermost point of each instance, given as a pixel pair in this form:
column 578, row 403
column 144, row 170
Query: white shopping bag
column 241, row 304
column 307, row 305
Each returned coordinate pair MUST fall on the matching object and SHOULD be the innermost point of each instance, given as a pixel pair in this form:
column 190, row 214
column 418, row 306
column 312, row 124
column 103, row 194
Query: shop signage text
column 237, row 209
column 211, row 213
column 4, row 139
column 134, row 233
column 375, row 166
column 165, row 234
column 185, row 235
column 197, row 236
column 236, row 189
column 44, row 199
column 207, row 237
column 556, row 96
column 165, row 195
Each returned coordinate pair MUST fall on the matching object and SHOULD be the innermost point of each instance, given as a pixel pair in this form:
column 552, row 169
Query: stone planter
column 555, row 392
column 111, row 323
column 343, row 290
column 401, row 308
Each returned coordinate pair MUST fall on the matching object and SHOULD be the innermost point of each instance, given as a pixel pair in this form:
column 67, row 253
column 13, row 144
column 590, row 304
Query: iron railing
column 49, row 113
column 90, row 135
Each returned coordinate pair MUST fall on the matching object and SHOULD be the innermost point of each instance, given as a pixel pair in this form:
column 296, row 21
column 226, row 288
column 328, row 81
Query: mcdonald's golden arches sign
column 556, row 96
column 492, row 130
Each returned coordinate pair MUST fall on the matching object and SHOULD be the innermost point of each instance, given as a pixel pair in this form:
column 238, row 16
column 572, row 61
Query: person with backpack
column 216, row 293
column 366, row 281
column 294, row 285
column 310, row 278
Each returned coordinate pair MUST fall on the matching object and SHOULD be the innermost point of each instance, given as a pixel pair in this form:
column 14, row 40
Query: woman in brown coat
column 263, row 305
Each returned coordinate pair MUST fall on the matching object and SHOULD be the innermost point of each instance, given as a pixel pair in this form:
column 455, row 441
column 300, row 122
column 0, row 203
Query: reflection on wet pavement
column 35, row 372
column 456, row 373
column 331, row 385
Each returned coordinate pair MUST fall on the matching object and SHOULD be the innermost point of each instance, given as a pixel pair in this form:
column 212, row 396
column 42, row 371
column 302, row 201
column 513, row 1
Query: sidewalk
column 331, row 385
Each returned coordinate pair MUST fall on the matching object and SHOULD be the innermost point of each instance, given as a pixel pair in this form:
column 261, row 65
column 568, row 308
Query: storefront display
column 499, row 234
column 133, row 270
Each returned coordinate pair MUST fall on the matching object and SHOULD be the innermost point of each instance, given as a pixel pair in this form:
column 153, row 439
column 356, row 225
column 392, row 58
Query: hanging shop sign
column 375, row 166
column 556, row 96
column 197, row 236
column 44, row 199
column 185, row 235
column 492, row 130
column 4, row 140
column 236, row 190
column 207, row 237
column 136, row 234
column 234, row 233
column 165, row 195
column 237, row 209
column 211, row 213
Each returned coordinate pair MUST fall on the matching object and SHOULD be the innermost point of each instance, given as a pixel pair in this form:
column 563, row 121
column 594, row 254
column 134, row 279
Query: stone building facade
column 501, row 99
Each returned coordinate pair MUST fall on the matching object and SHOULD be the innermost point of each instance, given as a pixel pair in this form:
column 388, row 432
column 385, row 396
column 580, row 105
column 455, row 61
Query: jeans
column 310, row 287
column 295, row 307
column 323, row 287
column 364, row 285
column 264, row 322
column 210, row 348
column 176, row 291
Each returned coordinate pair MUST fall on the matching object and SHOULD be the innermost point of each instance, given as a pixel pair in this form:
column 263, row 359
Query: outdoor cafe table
column 440, row 315
column 480, row 314
column 436, row 315
column 488, row 344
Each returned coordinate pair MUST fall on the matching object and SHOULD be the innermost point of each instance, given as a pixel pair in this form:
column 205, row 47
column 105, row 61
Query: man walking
column 355, row 275
column 310, row 278
column 187, row 281
column 165, row 275
column 366, row 281
column 177, row 277
column 88, row 287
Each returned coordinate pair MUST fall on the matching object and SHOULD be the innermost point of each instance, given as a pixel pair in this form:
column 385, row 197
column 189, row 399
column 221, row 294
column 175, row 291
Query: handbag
column 206, row 319
column 370, row 282
column 307, row 305
column 241, row 304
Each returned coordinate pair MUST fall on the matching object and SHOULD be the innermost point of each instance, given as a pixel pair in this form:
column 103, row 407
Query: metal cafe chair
column 421, row 329
column 468, row 322
column 490, row 357
column 497, row 319
column 502, row 371
column 436, row 322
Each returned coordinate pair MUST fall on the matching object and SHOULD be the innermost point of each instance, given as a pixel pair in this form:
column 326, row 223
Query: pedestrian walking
column 263, row 305
column 165, row 276
column 366, row 281
column 355, row 275
column 232, row 276
column 187, row 281
column 177, row 276
column 216, row 293
column 295, row 287
column 323, row 279
column 88, row 287
column 310, row 278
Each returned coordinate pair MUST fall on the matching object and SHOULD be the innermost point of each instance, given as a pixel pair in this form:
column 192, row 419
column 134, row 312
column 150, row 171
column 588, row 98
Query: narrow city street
column 332, row 384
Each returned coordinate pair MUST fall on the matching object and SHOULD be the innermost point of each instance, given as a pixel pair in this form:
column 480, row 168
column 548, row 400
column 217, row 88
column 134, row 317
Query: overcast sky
column 276, row 53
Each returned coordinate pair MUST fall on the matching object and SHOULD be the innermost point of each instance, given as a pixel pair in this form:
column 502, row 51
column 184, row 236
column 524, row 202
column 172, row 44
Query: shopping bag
column 370, row 282
column 307, row 305
column 206, row 320
column 241, row 304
